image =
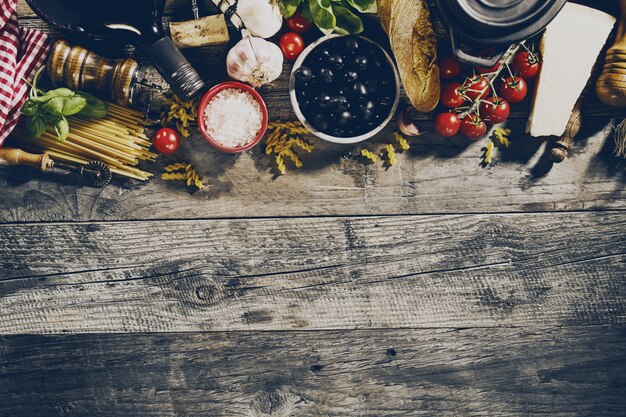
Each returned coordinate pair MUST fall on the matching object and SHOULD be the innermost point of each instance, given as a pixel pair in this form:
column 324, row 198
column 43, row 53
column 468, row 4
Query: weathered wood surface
column 566, row 372
column 517, row 310
column 318, row 273
column 436, row 175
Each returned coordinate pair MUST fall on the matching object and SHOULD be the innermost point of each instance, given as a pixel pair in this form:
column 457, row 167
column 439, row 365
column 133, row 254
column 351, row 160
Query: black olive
column 350, row 77
column 344, row 118
column 303, row 75
column 360, row 62
column 350, row 44
column 372, row 86
column 323, row 100
column 320, row 122
column 335, row 61
column 368, row 105
column 339, row 103
column 360, row 91
column 327, row 75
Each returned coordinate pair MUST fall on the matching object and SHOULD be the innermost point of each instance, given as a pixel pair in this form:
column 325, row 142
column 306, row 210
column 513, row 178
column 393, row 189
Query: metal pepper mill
column 80, row 69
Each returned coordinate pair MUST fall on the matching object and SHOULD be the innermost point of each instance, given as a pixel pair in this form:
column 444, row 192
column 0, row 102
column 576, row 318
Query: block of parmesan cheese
column 570, row 46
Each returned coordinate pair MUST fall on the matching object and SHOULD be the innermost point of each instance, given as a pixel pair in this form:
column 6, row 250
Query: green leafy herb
column 43, row 108
column 62, row 127
column 290, row 7
column 347, row 22
column 95, row 109
column 329, row 16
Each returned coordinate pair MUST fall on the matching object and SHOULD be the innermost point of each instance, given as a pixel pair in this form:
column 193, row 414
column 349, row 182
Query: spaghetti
column 118, row 140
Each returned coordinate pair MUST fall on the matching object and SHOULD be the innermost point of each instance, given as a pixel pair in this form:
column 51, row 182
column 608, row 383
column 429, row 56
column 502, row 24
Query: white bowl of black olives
column 344, row 89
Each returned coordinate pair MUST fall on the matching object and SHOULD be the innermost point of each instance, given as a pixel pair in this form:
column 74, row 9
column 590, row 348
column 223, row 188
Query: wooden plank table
column 434, row 287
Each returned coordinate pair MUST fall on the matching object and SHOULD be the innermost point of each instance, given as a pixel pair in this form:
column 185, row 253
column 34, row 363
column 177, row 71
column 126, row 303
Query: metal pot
column 487, row 27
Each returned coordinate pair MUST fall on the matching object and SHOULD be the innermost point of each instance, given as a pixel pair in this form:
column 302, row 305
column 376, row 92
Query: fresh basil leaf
column 347, row 22
column 290, row 7
column 323, row 16
column 62, row 128
column 94, row 109
column 59, row 92
column 29, row 108
column 363, row 6
column 36, row 125
column 64, row 106
column 306, row 13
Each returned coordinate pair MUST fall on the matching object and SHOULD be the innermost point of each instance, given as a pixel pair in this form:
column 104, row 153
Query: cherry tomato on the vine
column 292, row 44
column 514, row 89
column 298, row 23
column 449, row 68
column 495, row 110
column 475, row 85
column 166, row 140
column 447, row 124
column 486, row 70
column 451, row 95
column 472, row 127
column 526, row 64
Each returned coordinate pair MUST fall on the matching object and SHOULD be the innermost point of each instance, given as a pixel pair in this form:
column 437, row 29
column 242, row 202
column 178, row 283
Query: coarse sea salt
column 233, row 117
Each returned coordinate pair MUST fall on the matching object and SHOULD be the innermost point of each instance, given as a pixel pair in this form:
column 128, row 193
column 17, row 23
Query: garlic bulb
column 254, row 61
column 261, row 18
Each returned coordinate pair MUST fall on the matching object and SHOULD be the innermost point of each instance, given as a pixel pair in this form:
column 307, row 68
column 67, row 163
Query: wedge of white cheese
column 570, row 46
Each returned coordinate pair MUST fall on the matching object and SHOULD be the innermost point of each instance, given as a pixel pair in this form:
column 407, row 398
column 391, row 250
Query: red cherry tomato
column 449, row 68
column 526, row 64
column 451, row 95
column 447, row 124
column 166, row 140
column 291, row 44
column 514, row 89
column 495, row 110
column 298, row 23
column 475, row 85
column 486, row 70
column 472, row 127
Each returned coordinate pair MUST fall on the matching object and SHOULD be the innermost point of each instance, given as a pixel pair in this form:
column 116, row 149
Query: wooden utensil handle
column 610, row 87
column 13, row 156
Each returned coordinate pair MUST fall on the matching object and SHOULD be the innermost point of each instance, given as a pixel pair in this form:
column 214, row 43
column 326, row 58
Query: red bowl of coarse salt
column 232, row 117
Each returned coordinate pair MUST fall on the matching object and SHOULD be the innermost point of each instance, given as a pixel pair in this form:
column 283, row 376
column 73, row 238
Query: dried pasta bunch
column 186, row 172
column 369, row 155
column 281, row 140
column 180, row 113
column 404, row 145
column 391, row 154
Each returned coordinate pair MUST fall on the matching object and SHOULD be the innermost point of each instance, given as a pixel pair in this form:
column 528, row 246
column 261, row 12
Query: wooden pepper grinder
column 611, row 85
column 79, row 69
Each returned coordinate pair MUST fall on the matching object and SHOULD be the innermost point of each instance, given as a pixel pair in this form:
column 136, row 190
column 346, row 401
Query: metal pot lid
column 496, row 22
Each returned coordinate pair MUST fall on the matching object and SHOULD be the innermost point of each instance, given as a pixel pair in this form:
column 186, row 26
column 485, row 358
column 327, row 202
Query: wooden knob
column 81, row 69
column 559, row 150
column 13, row 156
column 611, row 84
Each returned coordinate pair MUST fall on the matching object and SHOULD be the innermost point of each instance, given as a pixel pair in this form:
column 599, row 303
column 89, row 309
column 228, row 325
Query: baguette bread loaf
column 414, row 45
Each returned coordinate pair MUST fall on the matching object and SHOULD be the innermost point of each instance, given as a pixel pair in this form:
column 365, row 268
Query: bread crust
column 407, row 22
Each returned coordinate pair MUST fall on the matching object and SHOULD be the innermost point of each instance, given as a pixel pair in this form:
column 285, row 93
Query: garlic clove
column 255, row 61
column 406, row 125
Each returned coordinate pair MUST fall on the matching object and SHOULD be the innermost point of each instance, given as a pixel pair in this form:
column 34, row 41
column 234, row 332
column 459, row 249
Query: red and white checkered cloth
column 22, row 52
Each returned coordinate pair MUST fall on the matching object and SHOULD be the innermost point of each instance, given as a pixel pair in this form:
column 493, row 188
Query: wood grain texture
column 315, row 273
column 565, row 372
column 434, row 176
